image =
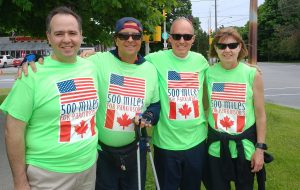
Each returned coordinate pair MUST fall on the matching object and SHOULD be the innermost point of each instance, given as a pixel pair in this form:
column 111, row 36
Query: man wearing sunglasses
column 128, row 90
column 179, row 136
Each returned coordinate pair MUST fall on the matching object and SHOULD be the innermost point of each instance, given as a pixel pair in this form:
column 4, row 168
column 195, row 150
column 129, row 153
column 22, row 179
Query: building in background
column 19, row 46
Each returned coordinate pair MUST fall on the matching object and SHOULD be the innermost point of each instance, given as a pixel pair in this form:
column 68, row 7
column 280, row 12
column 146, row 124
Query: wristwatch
column 261, row 146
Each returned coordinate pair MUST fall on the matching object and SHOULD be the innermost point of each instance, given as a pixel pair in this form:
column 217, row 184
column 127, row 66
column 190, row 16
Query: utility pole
column 216, row 23
column 253, row 32
column 165, row 35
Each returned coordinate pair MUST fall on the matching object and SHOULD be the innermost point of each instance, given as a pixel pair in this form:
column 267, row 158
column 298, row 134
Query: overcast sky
column 229, row 12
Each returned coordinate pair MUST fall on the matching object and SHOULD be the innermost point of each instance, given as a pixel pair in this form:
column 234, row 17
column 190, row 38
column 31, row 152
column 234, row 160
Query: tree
column 279, row 30
column 26, row 17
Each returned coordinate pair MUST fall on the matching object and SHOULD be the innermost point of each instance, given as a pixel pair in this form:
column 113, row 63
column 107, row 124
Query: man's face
column 180, row 46
column 131, row 46
column 65, row 38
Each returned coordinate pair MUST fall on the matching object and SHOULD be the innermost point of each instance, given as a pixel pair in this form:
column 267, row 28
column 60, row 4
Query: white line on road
column 281, row 88
column 281, row 94
column 7, row 80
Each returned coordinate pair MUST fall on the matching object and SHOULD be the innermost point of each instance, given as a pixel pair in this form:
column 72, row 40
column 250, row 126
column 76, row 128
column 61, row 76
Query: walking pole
column 145, row 135
column 138, row 136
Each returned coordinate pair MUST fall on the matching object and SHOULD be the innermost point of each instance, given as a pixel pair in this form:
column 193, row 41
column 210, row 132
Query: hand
column 21, row 183
column 87, row 53
column 139, row 121
column 22, row 187
column 257, row 160
column 24, row 68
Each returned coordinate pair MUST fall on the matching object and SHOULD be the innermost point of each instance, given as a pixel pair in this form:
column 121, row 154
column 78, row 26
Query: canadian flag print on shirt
column 183, row 88
column 125, row 100
column 228, row 106
column 78, row 106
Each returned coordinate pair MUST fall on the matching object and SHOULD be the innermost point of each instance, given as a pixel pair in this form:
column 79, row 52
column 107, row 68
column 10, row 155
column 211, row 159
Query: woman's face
column 228, row 50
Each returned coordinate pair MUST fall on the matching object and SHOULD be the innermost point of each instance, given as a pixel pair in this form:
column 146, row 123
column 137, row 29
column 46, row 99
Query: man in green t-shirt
column 128, row 90
column 179, row 136
column 50, row 131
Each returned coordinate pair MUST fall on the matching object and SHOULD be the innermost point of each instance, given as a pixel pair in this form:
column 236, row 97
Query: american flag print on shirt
column 76, row 90
column 230, row 97
column 229, row 92
column 79, row 103
column 123, row 91
column 183, row 105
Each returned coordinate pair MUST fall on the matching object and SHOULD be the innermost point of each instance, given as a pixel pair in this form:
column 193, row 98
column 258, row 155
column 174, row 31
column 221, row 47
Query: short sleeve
column 19, row 102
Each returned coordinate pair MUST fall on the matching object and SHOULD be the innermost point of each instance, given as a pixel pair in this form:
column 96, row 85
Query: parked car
column 17, row 61
column 6, row 60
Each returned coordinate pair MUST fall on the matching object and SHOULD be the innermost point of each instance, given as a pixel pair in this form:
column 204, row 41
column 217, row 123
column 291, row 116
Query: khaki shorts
column 40, row 179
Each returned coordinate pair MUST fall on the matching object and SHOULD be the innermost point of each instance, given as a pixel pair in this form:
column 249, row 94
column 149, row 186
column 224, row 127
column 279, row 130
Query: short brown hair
column 65, row 11
column 223, row 33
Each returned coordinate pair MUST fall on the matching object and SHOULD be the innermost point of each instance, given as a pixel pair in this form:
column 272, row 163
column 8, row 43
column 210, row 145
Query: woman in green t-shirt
column 237, row 120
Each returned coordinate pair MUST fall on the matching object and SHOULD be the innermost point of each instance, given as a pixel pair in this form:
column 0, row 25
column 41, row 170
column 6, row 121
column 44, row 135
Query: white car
column 6, row 60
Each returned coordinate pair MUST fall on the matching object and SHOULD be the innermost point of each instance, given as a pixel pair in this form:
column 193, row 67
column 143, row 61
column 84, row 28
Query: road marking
column 268, row 95
column 7, row 80
column 281, row 88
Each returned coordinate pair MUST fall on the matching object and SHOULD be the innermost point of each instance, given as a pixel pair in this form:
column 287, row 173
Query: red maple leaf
column 81, row 128
column 225, row 122
column 124, row 121
column 185, row 110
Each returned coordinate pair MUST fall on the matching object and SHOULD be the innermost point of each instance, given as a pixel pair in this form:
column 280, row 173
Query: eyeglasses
column 230, row 45
column 126, row 36
column 186, row 37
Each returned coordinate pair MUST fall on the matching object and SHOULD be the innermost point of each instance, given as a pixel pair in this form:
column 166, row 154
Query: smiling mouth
column 67, row 47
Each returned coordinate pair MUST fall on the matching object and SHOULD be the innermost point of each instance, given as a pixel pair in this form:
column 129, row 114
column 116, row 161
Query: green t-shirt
column 59, row 105
column 231, row 107
column 182, row 123
column 125, row 91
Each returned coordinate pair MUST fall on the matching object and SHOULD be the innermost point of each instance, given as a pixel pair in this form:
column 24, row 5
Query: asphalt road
column 282, row 86
column 282, row 83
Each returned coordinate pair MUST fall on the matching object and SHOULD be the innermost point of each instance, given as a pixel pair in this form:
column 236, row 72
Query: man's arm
column 257, row 159
column 15, row 147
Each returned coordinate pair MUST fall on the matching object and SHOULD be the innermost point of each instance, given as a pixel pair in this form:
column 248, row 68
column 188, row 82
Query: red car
column 17, row 61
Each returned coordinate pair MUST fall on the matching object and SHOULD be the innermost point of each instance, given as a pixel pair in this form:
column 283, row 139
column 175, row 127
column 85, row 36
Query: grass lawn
column 283, row 133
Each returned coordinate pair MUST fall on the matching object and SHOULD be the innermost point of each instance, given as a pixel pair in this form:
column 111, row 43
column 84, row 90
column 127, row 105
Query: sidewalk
column 8, row 71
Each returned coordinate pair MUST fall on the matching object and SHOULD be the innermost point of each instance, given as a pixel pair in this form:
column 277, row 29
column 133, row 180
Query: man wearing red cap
column 128, row 87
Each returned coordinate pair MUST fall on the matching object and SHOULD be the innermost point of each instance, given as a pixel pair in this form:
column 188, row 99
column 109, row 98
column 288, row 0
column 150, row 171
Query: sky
column 229, row 12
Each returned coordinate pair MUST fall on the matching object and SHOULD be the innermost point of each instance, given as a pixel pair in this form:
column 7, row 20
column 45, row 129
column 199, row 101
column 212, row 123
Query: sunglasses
column 230, row 45
column 126, row 36
column 186, row 37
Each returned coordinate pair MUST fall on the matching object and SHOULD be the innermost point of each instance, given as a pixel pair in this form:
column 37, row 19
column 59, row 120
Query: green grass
column 283, row 140
column 283, row 134
column 3, row 93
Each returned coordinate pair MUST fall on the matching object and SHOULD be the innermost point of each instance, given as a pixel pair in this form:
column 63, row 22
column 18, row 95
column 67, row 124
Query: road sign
column 164, row 35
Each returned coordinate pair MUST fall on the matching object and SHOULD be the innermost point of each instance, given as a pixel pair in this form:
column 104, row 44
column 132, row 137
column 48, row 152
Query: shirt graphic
column 124, row 101
column 183, row 88
column 78, row 103
column 228, row 106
